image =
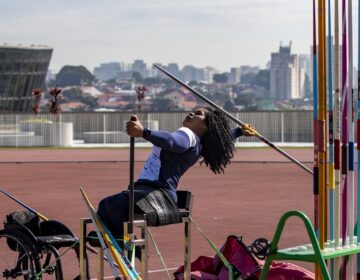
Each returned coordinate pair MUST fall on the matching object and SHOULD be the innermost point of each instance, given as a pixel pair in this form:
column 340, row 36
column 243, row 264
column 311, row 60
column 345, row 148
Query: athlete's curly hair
column 218, row 143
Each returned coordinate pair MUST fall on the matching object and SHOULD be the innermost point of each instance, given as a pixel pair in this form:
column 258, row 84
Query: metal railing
column 101, row 128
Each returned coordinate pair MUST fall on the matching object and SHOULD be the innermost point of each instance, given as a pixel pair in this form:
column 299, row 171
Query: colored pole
column 234, row 119
column 104, row 241
column 337, row 140
column 358, row 145
column 344, row 129
column 344, row 137
column 331, row 136
column 315, row 127
column 322, row 124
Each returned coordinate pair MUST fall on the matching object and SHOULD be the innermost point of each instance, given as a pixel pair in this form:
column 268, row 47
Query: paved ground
column 247, row 200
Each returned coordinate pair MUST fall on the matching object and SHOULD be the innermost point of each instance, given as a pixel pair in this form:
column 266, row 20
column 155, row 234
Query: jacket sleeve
column 176, row 142
column 236, row 132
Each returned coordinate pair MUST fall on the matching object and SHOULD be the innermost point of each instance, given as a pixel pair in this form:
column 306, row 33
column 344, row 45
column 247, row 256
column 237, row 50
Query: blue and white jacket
column 172, row 154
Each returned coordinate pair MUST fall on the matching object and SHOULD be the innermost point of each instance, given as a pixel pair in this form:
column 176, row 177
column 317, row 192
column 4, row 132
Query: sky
column 217, row 33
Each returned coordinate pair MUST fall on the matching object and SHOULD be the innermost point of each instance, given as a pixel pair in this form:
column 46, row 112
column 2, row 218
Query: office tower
column 21, row 70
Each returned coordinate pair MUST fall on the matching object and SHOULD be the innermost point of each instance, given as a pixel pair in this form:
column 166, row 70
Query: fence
column 69, row 129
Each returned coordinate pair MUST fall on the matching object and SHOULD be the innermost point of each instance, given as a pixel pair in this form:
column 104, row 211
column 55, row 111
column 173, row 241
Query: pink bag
column 244, row 264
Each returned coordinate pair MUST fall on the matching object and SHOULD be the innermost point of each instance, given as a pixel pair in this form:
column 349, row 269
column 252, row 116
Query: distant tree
column 193, row 83
column 111, row 81
column 76, row 94
column 130, row 107
column 220, row 78
column 74, row 76
column 249, row 78
column 152, row 81
column 262, row 78
column 162, row 104
column 137, row 77
column 245, row 100
column 229, row 106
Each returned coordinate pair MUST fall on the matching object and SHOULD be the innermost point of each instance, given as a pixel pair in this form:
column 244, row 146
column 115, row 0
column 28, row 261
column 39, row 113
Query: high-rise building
column 247, row 69
column 173, row 68
column 191, row 73
column 21, row 70
column 107, row 71
column 287, row 78
column 209, row 73
column 140, row 67
column 235, row 74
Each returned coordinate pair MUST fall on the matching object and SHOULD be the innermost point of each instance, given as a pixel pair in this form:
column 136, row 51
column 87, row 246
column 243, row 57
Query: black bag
column 24, row 218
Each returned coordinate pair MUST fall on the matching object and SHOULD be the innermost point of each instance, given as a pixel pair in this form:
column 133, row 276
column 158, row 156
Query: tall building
column 191, row 73
column 209, row 72
column 21, row 70
column 287, row 78
column 173, row 68
column 107, row 71
column 140, row 67
column 247, row 69
column 235, row 74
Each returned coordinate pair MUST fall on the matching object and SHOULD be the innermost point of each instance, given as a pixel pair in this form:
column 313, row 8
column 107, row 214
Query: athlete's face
column 196, row 121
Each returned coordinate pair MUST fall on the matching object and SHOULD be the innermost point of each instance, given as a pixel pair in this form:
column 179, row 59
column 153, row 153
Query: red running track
column 247, row 200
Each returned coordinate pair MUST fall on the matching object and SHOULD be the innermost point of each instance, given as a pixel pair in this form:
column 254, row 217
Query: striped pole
column 344, row 135
column 350, row 124
column 358, row 145
column 337, row 139
column 315, row 128
column 322, row 123
column 331, row 136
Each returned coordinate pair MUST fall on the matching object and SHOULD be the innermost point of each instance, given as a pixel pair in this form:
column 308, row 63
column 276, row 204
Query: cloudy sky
column 219, row 33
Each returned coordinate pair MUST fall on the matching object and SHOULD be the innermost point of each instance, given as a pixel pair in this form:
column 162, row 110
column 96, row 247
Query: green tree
column 262, row 78
column 229, row 106
column 76, row 94
column 73, row 76
column 245, row 100
column 137, row 77
column 220, row 78
column 162, row 105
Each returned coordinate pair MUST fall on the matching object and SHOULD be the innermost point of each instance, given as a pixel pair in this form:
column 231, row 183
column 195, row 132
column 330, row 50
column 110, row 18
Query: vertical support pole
column 187, row 251
column 282, row 127
column 104, row 129
column 144, row 251
column 187, row 243
column 83, row 272
column 100, row 263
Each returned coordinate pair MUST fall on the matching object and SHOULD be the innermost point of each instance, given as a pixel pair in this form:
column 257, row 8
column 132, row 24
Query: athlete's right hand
column 134, row 128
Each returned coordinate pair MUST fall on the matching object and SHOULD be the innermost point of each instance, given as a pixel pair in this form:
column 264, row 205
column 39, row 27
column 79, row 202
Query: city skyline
column 221, row 34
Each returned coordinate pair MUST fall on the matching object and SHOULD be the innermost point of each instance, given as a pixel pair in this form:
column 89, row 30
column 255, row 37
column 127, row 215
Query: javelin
column 234, row 119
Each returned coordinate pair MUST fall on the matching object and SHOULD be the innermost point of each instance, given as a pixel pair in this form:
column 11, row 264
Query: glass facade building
column 21, row 70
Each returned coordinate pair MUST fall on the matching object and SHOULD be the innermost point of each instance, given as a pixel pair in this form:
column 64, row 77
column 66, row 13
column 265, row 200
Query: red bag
column 244, row 265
